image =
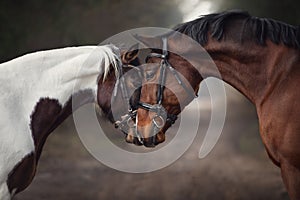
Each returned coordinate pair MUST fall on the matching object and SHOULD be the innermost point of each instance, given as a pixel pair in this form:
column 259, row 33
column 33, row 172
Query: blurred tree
column 287, row 10
column 32, row 25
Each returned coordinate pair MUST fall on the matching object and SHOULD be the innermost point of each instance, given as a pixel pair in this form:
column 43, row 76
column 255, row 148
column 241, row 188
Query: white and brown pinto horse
column 36, row 96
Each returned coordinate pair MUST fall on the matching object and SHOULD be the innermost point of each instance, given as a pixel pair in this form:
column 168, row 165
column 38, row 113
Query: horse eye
column 150, row 74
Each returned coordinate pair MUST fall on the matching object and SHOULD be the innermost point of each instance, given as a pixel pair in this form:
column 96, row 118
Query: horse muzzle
column 147, row 142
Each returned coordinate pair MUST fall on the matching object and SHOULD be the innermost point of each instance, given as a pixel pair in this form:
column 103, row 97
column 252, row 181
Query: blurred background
column 237, row 168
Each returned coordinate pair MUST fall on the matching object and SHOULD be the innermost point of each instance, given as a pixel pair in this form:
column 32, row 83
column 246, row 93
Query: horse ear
column 131, row 54
column 151, row 42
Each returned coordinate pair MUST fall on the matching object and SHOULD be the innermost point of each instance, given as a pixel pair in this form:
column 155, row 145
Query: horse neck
column 41, row 88
column 55, row 74
column 252, row 69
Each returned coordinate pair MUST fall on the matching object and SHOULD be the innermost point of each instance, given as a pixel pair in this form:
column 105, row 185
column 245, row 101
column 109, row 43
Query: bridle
column 128, row 120
column 161, row 116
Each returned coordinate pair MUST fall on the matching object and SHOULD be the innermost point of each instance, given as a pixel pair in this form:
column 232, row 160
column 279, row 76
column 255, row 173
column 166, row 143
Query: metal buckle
column 158, row 121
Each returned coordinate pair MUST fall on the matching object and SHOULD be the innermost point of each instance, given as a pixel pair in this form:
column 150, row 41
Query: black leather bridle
column 128, row 120
column 161, row 115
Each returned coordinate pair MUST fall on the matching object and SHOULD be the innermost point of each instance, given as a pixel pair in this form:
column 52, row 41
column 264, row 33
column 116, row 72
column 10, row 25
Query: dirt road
column 237, row 168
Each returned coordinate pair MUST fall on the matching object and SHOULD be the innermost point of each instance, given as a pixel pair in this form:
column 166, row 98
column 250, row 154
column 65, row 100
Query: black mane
column 259, row 28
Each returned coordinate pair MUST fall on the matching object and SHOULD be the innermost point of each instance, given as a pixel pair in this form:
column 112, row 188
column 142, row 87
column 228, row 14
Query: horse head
column 114, row 89
column 169, row 84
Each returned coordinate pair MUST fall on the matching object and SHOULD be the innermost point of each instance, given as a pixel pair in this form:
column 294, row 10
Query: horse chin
column 147, row 142
column 133, row 140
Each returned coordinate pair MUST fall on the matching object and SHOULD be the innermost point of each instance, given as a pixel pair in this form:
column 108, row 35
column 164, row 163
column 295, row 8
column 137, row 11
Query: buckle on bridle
column 158, row 121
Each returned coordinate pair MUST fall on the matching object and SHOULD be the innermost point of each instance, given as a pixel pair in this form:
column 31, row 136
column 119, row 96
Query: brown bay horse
column 257, row 56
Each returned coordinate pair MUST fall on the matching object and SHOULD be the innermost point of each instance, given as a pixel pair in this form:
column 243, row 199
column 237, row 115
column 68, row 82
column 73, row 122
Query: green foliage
column 32, row 25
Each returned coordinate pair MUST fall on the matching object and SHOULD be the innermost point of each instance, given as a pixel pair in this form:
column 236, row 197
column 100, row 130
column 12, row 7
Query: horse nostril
column 149, row 142
column 137, row 142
